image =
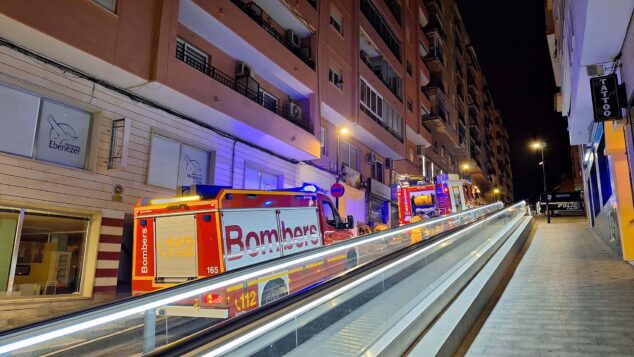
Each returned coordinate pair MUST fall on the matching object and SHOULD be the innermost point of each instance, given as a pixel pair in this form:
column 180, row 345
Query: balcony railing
column 393, row 84
column 255, row 13
column 436, row 53
column 245, row 88
column 437, row 111
column 380, row 25
column 379, row 121
column 395, row 9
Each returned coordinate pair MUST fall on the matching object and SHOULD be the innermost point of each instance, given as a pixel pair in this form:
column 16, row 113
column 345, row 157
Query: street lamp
column 464, row 168
column 540, row 145
column 340, row 132
column 496, row 192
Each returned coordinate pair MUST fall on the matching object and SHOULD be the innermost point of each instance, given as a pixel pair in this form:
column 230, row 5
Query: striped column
column 110, row 235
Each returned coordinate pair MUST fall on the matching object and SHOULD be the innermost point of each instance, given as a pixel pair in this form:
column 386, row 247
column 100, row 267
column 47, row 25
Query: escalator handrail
column 222, row 329
column 42, row 331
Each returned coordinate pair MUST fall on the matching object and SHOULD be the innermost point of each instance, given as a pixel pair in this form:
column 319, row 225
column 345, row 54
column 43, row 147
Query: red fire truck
column 207, row 230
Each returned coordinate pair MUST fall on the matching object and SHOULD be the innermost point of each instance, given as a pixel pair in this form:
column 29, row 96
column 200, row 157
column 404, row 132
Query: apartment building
column 468, row 134
column 108, row 101
column 586, row 40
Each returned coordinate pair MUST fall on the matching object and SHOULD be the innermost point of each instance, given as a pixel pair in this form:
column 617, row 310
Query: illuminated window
column 324, row 133
column 350, row 155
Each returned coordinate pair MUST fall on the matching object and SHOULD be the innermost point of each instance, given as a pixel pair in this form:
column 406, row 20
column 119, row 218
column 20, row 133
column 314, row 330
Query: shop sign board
column 605, row 98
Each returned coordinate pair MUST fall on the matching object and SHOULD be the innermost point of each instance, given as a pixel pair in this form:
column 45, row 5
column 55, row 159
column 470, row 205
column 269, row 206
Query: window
column 191, row 55
column 377, row 171
column 350, row 154
column 174, row 164
column 50, row 252
column 324, row 137
column 332, row 217
column 334, row 76
column 408, row 68
column 258, row 179
column 268, row 100
column 62, row 131
column 410, row 105
column 107, row 4
column 371, row 100
column 336, row 20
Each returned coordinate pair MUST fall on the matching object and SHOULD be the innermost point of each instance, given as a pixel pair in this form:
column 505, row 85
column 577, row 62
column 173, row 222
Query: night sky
column 509, row 38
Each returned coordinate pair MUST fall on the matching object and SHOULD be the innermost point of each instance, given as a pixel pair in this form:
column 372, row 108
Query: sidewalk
column 567, row 297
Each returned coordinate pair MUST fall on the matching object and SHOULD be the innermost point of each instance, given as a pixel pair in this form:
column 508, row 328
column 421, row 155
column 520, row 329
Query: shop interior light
column 160, row 201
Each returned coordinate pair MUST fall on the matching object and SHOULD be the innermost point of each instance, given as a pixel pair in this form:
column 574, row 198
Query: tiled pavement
column 567, row 297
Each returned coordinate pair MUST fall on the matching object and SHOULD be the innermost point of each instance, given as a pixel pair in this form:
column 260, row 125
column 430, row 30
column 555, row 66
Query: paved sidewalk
column 567, row 297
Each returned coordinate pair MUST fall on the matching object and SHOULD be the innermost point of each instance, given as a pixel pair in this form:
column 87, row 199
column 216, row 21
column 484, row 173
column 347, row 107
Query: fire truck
column 418, row 195
column 207, row 230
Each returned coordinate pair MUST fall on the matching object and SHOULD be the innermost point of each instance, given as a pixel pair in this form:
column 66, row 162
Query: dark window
column 410, row 105
column 408, row 68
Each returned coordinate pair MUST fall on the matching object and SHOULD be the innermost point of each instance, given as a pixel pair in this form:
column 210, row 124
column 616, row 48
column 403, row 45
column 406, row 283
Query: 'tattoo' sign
column 605, row 97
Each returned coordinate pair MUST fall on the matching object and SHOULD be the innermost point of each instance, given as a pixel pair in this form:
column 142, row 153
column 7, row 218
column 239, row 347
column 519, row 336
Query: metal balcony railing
column 380, row 69
column 395, row 9
column 256, row 14
column 382, row 123
column 243, row 87
column 380, row 25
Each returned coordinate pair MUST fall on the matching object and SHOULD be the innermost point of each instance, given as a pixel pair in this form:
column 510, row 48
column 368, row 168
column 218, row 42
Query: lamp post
column 342, row 131
column 496, row 192
column 541, row 145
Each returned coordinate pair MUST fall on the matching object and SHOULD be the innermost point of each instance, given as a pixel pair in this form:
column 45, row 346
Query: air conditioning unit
column 293, row 111
column 293, row 39
column 389, row 163
column 243, row 70
column 372, row 158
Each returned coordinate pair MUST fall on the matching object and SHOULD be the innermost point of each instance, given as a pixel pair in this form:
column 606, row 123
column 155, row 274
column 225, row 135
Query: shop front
column 379, row 203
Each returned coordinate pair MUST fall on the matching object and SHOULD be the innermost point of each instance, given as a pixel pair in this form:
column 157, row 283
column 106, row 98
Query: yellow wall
column 39, row 271
column 615, row 148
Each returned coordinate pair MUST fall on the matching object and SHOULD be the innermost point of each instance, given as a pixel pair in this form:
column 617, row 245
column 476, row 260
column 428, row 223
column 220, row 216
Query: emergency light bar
column 159, row 201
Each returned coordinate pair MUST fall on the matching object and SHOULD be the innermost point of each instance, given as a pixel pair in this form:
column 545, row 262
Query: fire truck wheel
column 351, row 260
column 273, row 290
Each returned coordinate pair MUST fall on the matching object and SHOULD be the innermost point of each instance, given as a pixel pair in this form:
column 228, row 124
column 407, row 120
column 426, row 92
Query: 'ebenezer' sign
column 605, row 98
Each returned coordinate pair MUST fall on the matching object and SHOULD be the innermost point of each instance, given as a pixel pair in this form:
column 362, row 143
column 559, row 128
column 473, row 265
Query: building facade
column 109, row 101
column 588, row 39
column 468, row 135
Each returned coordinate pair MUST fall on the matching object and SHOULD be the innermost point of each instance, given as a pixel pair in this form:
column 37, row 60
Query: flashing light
column 159, row 201
column 309, row 187
column 213, row 299
column 445, row 190
column 268, row 203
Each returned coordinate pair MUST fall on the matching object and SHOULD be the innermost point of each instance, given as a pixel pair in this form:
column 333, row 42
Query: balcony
column 380, row 121
column 380, row 67
column 436, row 81
column 395, row 9
column 247, row 87
column 435, row 58
column 381, row 27
column 435, row 27
column 256, row 13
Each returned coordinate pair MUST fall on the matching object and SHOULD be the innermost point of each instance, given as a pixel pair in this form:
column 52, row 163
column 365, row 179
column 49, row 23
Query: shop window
column 258, row 179
column 336, row 20
column 62, row 131
column 48, row 249
column 378, row 211
column 324, row 141
column 174, row 164
column 110, row 5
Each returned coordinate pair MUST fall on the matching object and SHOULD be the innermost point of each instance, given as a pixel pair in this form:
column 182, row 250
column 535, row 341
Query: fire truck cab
column 207, row 230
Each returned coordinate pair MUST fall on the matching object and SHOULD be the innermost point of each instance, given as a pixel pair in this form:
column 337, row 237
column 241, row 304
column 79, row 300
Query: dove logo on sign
column 62, row 136
column 194, row 170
